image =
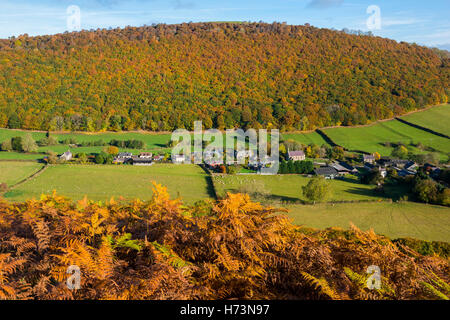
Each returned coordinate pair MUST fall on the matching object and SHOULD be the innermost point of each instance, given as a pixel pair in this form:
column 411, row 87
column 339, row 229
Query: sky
column 418, row 21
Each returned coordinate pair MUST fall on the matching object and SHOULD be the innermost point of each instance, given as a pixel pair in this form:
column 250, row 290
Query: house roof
column 142, row 161
column 411, row 165
column 325, row 171
column 125, row 154
column 368, row 157
column 296, row 153
column 66, row 154
column 347, row 166
column 342, row 166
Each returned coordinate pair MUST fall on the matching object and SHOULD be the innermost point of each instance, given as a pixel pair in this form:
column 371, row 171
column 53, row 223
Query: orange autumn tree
column 228, row 249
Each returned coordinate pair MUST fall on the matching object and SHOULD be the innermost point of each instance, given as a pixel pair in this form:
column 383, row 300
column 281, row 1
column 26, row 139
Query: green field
column 20, row 156
column 372, row 138
column 287, row 188
column 14, row 172
column 154, row 142
column 394, row 220
column 367, row 139
column 436, row 118
column 103, row 182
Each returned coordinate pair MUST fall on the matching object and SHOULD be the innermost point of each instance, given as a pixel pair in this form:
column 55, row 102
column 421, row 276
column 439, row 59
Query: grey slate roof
column 326, row 171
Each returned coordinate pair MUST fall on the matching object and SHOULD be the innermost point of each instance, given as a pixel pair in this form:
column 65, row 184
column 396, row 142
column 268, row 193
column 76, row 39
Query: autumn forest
column 163, row 77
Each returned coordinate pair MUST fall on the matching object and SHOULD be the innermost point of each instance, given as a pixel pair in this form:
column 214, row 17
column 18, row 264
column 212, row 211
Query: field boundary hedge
column 34, row 175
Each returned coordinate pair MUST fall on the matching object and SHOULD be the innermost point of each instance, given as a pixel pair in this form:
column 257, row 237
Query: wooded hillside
column 228, row 75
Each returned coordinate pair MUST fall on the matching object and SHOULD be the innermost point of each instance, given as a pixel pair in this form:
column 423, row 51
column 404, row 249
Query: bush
column 99, row 159
column 129, row 144
column 6, row 145
column 373, row 177
column 47, row 141
column 16, row 143
column 112, row 150
column 232, row 169
column 82, row 157
column 52, row 158
column 426, row 190
column 28, row 144
column 400, row 152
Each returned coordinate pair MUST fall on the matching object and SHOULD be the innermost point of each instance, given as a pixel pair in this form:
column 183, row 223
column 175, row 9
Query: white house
column 66, row 156
column 296, row 155
column 145, row 155
column 178, row 158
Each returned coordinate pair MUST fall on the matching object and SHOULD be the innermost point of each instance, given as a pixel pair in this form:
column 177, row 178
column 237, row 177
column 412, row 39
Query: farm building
column 344, row 168
column 327, row 172
column 368, row 158
column 158, row 158
column 142, row 162
column 411, row 166
column 179, row 158
column 67, row 156
column 296, row 155
column 398, row 163
column 145, row 155
column 123, row 157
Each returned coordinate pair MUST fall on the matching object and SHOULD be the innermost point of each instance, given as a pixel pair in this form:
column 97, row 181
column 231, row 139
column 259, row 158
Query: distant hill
column 163, row 77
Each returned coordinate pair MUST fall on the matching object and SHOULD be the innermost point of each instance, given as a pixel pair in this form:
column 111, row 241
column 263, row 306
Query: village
column 327, row 168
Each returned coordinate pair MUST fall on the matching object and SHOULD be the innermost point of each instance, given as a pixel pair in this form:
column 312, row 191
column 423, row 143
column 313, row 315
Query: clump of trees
column 400, row 152
column 49, row 140
column 104, row 158
column 373, row 177
column 129, row 144
column 52, row 158
column 20, row 144
column 427, row 190
column 318, row 189
column 296, row 167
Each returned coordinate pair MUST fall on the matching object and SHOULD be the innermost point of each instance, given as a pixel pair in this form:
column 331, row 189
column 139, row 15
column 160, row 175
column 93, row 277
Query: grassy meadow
column 154, row 142
column 373, row 138
column 287, row 188
column 191, row 183
column 305, row 138
column 394, row 220
column 103, row 182
column 433, row 119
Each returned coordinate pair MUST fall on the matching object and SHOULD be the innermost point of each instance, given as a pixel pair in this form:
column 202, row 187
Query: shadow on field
column 364, row 192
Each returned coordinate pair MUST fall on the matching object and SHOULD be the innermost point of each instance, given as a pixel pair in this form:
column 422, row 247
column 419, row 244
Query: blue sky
column 423, row 22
